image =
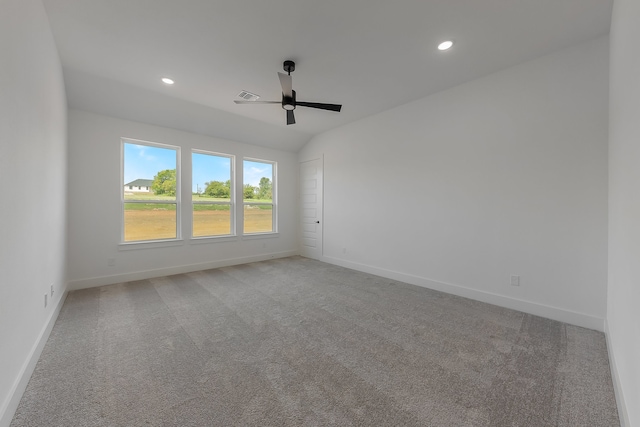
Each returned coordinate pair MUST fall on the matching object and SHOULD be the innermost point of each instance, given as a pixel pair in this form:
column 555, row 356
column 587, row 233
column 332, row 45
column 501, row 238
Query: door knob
column 317, row 222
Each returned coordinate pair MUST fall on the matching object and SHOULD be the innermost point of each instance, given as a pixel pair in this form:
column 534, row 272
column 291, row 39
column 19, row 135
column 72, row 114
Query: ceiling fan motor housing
column 289, row 102
column 289, row 66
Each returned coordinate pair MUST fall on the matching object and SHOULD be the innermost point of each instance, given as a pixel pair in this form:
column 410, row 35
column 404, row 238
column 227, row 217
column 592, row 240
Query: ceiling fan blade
column 258, row 102
column 291, row 120
column 285, row 82
column 331, row 107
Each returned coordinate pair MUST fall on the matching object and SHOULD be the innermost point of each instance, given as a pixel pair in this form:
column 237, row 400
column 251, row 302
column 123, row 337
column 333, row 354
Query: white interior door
column 311, row 208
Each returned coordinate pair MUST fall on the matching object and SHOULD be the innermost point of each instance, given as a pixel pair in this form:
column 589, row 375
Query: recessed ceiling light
column 167, row 81
column 445, row 45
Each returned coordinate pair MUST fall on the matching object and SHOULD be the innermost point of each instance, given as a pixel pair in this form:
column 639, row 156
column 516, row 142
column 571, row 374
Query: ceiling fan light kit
column 289, row 101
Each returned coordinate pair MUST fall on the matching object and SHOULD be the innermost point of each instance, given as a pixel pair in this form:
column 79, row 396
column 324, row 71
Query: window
column 153, row 214
column 212, row 194
column 259, row 196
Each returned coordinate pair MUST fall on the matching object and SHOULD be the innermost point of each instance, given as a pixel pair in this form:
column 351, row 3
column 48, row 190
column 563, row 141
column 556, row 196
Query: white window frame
column 176, row 202
column 232, row 191
column 274, row 197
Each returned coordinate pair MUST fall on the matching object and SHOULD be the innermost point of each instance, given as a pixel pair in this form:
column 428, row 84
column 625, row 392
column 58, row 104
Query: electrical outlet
column 344, row 250
column 52, row 289
column 45, row 300
column 515, row 280
column 111, row 262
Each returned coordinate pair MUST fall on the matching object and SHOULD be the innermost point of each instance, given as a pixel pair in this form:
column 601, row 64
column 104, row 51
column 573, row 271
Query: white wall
column 95, row 215
column 459, row 190
column 623, row 316
column 33, row 153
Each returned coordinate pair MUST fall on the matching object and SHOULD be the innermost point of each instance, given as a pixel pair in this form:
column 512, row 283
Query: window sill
column 151, row 244
column 268, row 235
column 212, row 239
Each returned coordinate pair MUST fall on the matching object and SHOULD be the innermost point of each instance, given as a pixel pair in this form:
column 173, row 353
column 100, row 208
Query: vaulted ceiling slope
column 369, row 55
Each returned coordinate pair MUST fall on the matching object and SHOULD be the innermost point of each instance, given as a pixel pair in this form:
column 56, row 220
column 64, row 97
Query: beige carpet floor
column 297, row 342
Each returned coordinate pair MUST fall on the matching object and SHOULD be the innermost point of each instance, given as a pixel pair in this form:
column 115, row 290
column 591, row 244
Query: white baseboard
column 167, row 271
column 617, row 387
column 549, row 312
column 9, row 407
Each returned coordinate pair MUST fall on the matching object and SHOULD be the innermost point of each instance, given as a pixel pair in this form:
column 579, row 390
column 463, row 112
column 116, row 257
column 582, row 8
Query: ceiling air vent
column 248, row 96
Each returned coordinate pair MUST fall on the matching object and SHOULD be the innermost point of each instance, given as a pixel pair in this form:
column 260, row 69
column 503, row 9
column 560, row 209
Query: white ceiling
column 369, row 55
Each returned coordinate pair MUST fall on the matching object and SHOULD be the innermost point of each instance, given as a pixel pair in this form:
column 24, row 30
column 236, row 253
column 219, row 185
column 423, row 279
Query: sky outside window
column 207, row 168
column 144, row 161
column 253, row 171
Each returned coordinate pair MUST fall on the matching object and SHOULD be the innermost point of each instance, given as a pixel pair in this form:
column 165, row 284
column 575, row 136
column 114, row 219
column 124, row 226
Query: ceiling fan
column 289, row 101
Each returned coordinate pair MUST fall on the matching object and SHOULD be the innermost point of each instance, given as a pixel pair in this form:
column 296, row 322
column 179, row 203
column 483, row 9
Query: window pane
column 258, row 190
column 149, row 172
column 257, row 181
column 258, row 218
column 211, row 220
column 211, row 177
column 149, row 221
column 211, row 181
